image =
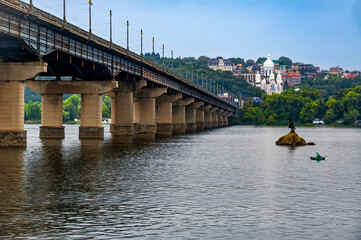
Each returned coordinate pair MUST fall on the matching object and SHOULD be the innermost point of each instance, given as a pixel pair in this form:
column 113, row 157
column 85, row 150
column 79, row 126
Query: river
column 229, row 183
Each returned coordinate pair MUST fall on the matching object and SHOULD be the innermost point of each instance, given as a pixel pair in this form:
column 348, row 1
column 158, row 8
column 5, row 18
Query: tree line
column 303, row 106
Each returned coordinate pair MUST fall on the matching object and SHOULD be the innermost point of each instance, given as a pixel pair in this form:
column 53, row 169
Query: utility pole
column 141, row 42
column 31, row 5
column 172, row 58
column 110, row 15
column 128, row 35
column 163, row 54
column 64, row 16
column 153, row 51
column 90, row 18
column 192, row 73
column 186, row 70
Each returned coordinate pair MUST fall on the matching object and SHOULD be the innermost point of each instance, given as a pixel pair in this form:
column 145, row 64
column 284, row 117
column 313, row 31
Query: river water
column 230, row 183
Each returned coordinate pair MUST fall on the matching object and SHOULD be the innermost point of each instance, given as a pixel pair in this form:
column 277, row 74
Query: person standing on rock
column 291, row 125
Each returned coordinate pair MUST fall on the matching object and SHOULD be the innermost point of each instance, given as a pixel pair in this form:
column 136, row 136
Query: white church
column 268, row 82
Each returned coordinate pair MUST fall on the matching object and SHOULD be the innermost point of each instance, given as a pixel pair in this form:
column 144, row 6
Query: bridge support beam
column 209, row 117
column 179, row 115
column 145, row 126
column 12, row 79
column 52, row 116
column 122, row 109
column 91, row 117
column 164, row 114
column 52, row 107
column 200, row 117
column 191, row 116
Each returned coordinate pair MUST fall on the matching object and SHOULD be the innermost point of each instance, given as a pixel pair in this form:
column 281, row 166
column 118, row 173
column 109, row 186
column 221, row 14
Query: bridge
column 53, row 57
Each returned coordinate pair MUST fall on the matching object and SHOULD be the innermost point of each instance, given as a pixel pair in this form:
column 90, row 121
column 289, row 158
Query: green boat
column 318, row 157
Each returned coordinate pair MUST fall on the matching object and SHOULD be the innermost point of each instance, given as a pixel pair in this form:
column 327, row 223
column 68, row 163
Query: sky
column 325, row 33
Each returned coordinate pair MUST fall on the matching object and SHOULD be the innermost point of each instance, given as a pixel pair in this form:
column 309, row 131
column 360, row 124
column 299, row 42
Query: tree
column 72, row 106
column 249, row 63
column 351, row 116
column 106, row 107
column 260, row 60
column 286, row 61
column 32, row 111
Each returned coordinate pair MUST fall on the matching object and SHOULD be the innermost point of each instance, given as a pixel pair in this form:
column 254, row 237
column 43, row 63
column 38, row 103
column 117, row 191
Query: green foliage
column 106, row 107
column 303, row 107
column 32, row 111
column 286, row 61
column 260, row 60
column 72, row 106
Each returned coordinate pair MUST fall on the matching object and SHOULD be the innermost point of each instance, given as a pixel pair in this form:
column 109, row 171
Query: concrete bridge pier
column 145, row 125
column 122, row 109
column 164, row 114
column 91, row 117
column 191, row 116
column 179, row 115
column 209, row 117
column 200, row 117
column 52, row 116
column 215, row 120
column 220, row 117
column 12, row 80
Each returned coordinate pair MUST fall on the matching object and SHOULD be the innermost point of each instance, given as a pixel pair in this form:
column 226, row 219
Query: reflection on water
column 230, row 183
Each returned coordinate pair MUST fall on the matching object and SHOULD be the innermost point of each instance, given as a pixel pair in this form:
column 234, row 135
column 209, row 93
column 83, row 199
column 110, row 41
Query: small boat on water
column 318, row 157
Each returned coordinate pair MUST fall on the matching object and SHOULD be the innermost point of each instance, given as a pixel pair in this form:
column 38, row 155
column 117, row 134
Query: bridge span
column 53, row 57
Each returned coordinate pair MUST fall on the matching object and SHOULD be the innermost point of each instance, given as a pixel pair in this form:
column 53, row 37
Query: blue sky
column 323, row 32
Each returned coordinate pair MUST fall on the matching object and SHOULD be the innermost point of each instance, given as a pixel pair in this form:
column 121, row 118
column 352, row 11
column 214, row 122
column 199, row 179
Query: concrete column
column 91, row 117
column 220, row 120
column 164, row 116
column 179, row 115
column 146, row 127
column 200, row 117
column 123, row 110
column 52, row 121
column 209, row 117
column 191, row 117
column 12, row 79
column 52, row 116
column 215, row 120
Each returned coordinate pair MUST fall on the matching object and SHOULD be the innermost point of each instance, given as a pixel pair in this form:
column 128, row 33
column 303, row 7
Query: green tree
column 32, row 111
column 72, row 106
column 351, row 116
column 260, row 60
column 308, row 112
column 286, row 61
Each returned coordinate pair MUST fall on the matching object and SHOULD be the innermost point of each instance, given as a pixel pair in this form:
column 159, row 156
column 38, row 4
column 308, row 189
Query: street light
column 141, row 42
column 172, row 59
column 90, row 17
column 186, row 70
column 128, row 35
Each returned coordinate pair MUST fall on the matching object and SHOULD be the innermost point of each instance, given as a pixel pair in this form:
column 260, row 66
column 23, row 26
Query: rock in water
column 291, row 139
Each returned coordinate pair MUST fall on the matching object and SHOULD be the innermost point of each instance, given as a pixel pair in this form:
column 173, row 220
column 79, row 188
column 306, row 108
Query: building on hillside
column 351, row 75
column 237, row 70
column 306, row 70
column 266, row 80
column 336, row 71
column 220, row 64
column 292, row 78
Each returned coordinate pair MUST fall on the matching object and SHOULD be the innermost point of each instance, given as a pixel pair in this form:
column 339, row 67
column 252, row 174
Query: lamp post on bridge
column 141, row 42
column 192, row 72
column 172, row 59
column 153, row 51
column 64, row 16
column 163, row 54
column 110, row 15
column 128, row 35
column 187, row 70
column 31, row 5
column 90, row 18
